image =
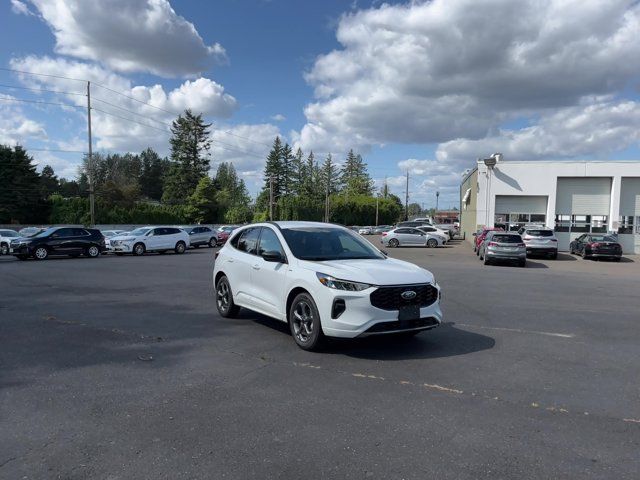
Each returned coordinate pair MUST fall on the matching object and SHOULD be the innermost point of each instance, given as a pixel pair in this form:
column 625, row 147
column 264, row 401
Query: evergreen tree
column 286, row 173
column 298, row 173
column 152, row 174
column 49, row 181
column 190, row 146
column 201, row 204
column 330, row 175
column 309, row 188
column 273, row 169
column 354, row 178
column 20, row 188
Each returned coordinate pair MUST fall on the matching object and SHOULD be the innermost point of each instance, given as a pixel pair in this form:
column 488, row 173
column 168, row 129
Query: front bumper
column 20, row 250
column 122, row 248
column 361, row 318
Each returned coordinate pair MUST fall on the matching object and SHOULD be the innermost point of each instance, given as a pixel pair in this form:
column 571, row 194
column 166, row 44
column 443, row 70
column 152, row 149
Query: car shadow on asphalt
column 444, row 341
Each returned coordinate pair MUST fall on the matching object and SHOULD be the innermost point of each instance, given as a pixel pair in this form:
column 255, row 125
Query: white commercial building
column 572, row 197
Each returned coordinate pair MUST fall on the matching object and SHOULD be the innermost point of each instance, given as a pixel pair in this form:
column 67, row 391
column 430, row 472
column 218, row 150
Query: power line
column 129, row 120
column 129, row 111
column 13, row 99
column 133, row 98
column 42, row 90
column 41, row 74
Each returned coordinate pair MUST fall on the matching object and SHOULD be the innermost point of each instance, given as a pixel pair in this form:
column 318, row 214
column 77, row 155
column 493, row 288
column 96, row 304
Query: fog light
column 338, row 308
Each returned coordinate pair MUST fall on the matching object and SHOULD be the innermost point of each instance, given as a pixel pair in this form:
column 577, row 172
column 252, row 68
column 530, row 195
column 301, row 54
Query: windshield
column 602, row 238
column 540, row 233
column 328, row 243
column 45, row 233
column 138, row 231
column 506, row 238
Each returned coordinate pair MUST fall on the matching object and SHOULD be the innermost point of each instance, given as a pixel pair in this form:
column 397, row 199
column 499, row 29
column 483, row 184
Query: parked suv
column 5, row 240
column 72, row 241
column 503, row 246
column 323, row 279
column 201, row 235
column 540, row 241
column 150, row 239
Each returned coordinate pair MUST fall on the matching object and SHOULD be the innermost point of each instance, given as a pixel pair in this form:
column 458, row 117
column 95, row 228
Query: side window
column 429, row 229
column 269, row 242
column 172, row 231
column 62, row 233
column 79, row 232
column 248, row 242
column 205, row 229
column 415, row 231
column 157, row 231
column 402, row 230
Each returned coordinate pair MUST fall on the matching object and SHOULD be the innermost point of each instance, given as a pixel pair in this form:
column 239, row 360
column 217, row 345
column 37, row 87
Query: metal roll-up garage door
column 630, row 197
column 521, row 204
column 583, row 196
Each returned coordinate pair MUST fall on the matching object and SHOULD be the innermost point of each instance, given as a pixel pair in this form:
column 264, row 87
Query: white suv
column 540, row 241
column 323, row 279
column 150, row 239
column 5, row 240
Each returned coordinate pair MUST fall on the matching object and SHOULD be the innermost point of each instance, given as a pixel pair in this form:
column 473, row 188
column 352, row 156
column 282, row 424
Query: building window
column 563, row 223
column 518, row 220
column 538, row 218
column 599, row 224
column 500, row 220
column 626, row 224
column 581, row 223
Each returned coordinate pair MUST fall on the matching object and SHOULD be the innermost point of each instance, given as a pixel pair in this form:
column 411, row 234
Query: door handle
column 230, row 260
column 255, row 267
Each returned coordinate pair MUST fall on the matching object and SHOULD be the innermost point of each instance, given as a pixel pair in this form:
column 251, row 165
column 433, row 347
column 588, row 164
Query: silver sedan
column 411, row 237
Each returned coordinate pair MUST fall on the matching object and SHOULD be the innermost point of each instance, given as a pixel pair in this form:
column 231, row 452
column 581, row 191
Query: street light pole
column 437, row 197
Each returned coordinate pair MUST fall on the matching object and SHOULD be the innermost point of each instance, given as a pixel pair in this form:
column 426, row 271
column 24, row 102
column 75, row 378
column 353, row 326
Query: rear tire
column 92, row 252
column 554, row 256
column 486, row 260
column 432, row 243
column 522, row 263
column 394, row 243
column 224, row 299
column 180, row 247
column 304, row 322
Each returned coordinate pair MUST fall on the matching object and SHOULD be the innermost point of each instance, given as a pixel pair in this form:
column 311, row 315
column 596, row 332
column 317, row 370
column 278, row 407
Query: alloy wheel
column 41, row 253
column 93, row 251
column 138, row 249
column 4, row 249
column 223, row 296
column 303, row 321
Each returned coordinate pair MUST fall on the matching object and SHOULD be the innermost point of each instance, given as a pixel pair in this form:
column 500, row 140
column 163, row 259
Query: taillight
column 594, row 245
column 553, row 240
column 384, row 234
column 493, row 244
column 526, row 237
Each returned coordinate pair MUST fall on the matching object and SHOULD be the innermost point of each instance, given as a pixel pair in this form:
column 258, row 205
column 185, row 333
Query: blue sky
column 417, row 86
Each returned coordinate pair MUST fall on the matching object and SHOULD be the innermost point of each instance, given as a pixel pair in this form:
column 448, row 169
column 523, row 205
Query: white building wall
column 540, row 178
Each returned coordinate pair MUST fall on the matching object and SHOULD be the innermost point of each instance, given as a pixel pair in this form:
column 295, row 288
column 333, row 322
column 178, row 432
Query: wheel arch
column 292, row 294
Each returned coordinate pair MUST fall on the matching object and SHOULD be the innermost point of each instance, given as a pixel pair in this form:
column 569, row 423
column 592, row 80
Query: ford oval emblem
column 408, row 295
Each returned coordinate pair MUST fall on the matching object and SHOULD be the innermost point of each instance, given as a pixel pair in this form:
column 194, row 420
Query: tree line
column 144, row 187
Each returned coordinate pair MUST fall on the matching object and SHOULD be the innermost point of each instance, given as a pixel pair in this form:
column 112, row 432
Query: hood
column 375, row 272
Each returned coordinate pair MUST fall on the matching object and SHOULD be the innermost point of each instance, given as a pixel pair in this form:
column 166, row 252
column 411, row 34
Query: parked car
column 150, row 239
column 223, row 233
column 365, row 230
column 201, row 235
column 435, row 231
column 323, row 279
column 6, row 236
column 71, row 241
column 507, row 246
column 480, row 236
column 382, row 229
column 540, row 241
column 108, row 234
column 593, row 245
column 426, row 222
column 411, row 237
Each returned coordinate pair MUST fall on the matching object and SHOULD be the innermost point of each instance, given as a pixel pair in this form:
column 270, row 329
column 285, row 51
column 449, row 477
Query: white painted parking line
column 518, row 330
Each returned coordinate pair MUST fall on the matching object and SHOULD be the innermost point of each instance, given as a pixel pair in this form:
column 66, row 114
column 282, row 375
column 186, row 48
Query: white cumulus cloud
column 127, row 35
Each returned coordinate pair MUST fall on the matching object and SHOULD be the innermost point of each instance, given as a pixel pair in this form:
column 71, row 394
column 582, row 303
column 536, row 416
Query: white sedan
column 150, row 239
column 411, row 237
column 323, row 279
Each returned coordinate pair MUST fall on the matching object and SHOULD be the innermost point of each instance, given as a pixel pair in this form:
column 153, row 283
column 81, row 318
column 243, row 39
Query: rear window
column 540, row 233
column 506, row 238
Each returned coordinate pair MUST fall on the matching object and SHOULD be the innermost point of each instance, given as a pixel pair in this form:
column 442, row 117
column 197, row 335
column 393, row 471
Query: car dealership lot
column 121, row 368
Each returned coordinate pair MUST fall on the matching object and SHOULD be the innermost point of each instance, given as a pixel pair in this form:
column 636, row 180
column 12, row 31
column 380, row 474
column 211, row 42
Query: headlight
column 331, row 282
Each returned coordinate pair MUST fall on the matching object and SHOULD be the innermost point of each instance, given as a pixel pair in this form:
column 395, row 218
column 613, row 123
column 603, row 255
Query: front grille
column 399, row 325
column 390, row 298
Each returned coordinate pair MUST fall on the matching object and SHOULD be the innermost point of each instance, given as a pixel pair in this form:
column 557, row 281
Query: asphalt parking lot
column 119, row 368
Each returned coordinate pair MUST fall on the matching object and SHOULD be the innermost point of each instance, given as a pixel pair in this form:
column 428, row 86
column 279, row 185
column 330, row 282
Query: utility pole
column 437, row 196
column 377, row 200
column 92, row 208
column 326, row 199
column 406, row 200
column 271, row 198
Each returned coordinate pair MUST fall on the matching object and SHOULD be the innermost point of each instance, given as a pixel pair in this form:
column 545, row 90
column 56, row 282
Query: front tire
column 180, row 247
column 138, row 249
column 304, row 322
column 41, row 253
column 212, row 242
column 4, row 249
column 393, row 243
column 224, row 299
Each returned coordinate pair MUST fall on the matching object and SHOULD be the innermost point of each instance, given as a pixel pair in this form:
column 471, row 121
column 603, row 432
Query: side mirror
column 273, row 256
